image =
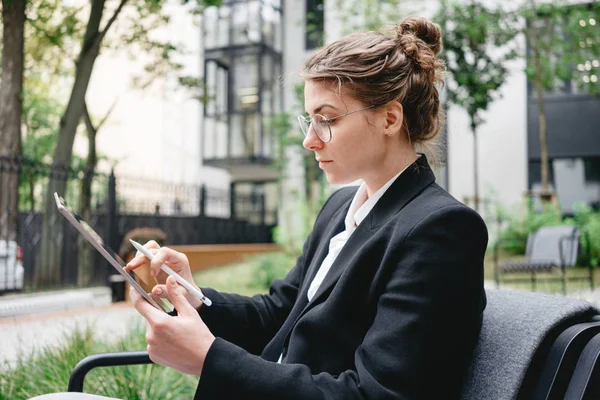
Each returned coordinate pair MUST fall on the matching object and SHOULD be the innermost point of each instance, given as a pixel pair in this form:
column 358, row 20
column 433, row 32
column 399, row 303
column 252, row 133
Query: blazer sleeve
column 427, row 320
column 251, row 322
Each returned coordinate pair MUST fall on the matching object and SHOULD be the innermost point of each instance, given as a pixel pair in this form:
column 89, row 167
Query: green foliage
column 513, row 236
column 565, row 41
column 270, row 266
column 471, row 29
column 370, row 15
column 48, row 371
column 589, row 221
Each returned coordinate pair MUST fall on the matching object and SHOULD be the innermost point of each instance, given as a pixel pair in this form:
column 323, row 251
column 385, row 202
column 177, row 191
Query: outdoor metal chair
column 549, row 249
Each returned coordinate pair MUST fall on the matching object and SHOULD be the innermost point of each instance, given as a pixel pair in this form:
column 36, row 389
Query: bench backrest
column 516, row 326
column 554, row 244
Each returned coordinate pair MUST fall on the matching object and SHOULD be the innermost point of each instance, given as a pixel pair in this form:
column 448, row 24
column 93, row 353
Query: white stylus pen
column 195, row 292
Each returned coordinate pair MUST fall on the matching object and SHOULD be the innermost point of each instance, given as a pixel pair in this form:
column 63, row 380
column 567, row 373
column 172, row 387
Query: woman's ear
column 394, row 118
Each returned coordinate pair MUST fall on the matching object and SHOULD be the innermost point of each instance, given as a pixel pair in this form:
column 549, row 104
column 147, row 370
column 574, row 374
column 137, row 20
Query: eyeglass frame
column 302, row 119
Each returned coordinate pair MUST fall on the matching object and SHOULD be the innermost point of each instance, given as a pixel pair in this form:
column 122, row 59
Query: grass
column 577, row 278
column 247, row 278
column 48, row 371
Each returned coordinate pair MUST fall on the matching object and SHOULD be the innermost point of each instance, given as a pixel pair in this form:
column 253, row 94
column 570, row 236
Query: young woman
column 386, row 300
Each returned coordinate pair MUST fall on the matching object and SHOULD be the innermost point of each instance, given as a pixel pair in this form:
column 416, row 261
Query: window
column 314, row 23
column 245, row 83
column 216, row 83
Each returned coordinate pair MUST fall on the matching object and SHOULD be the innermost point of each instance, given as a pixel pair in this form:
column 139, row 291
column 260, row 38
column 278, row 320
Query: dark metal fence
column 187, row 214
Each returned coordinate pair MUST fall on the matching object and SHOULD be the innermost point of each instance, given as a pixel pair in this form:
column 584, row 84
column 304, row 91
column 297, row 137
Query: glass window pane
column 314, row 23
column 216, row 89
column 245, row 91
column 222, row 84
column 271, row 27
column 215, row 139
column 224, row 23
column 211, row 87
column 268, row 137
column 245, row 135
column 211, row 20
column 209, row 140
column 246, row 22
column 267, row 84
column 221, row 139
column 277, row 88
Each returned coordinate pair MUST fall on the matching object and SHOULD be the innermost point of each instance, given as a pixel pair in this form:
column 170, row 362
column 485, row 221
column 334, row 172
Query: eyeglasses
column 322, row 125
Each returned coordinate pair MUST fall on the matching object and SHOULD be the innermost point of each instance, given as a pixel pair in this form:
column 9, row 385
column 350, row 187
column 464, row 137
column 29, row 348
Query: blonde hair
column 399, row 64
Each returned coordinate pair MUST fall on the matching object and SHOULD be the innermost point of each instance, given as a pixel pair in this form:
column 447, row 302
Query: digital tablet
column 86, row 230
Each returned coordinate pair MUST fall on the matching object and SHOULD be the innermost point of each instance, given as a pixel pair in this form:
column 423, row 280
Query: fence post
column 203, row 200
column 232, row 200
column 111, row 212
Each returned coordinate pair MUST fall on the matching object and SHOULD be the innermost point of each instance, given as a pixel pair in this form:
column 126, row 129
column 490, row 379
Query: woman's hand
column 175, row 260
column 180, row 342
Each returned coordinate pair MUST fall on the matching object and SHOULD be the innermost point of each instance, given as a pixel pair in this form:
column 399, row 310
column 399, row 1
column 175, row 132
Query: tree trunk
column 539, row 91
column 86, row 251
column 49, row 262
column 11, row 87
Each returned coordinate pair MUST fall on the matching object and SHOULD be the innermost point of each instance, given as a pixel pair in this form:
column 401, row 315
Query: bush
column 270, row 266
column 589, row 222
column 513, row 236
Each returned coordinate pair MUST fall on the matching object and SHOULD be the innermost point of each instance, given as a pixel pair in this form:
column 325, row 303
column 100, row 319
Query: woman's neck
column 390, row 168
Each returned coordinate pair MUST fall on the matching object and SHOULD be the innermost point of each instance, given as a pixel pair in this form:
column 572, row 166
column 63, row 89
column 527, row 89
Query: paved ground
column 24, row 334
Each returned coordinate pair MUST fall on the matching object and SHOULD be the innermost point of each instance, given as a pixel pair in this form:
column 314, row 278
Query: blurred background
column 180, row 116
column 175, row 121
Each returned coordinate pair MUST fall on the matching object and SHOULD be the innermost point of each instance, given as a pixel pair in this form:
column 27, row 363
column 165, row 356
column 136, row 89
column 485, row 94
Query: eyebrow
column 323, row 106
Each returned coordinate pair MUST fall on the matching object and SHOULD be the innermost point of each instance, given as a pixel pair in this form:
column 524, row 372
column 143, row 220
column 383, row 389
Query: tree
column 142, row 17
column 562, row 44
column 86, row 251
column 370, row 15
column 11, row 88
column 473, row 40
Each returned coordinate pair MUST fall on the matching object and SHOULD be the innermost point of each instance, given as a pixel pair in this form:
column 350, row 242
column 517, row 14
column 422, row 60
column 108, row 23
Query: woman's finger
column 139, row 260
column 165, row 255
column 160, row 290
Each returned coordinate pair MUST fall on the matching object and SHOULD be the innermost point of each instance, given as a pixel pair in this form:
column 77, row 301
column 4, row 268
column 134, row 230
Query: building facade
column 247, row 53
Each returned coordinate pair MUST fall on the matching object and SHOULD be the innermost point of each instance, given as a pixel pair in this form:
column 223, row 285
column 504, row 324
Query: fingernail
column 172, row 282
column 158, row 292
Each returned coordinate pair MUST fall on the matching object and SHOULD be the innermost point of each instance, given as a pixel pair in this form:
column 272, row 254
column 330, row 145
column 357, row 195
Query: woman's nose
column 311, row 140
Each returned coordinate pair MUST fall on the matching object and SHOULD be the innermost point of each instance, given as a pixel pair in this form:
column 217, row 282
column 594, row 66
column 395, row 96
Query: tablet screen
column 113, row 258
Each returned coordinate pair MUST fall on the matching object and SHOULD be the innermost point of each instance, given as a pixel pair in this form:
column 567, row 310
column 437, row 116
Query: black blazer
column 395, row 318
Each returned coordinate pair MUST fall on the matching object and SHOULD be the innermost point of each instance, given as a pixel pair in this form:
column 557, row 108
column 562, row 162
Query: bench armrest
column 104, row 360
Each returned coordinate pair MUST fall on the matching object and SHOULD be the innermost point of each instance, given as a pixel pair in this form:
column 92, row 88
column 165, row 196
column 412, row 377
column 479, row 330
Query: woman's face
column 359, row 146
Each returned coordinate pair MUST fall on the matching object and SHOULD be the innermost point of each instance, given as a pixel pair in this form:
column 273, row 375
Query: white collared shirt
column 360, row 207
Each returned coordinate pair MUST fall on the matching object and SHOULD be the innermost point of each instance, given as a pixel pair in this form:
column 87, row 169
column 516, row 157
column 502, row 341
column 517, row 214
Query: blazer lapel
column 408, row 185
column 336, row 226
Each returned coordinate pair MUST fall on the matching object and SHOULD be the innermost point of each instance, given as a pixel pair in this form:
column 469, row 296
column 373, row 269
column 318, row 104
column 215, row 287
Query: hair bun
column 429, row 32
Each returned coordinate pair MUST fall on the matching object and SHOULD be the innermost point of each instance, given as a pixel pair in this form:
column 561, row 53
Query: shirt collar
column 362, row 205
